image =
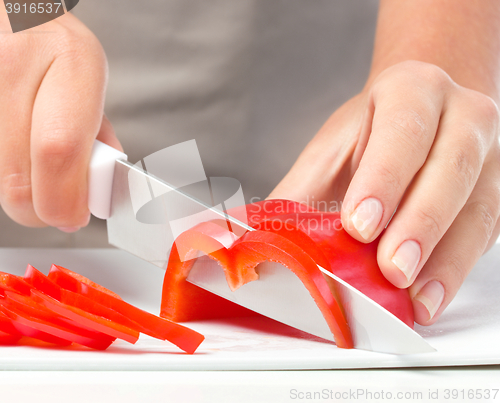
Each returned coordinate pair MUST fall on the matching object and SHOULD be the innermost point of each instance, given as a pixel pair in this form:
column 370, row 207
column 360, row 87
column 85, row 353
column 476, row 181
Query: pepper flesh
column 152, row 325
column 330, row 247
column 239, row 263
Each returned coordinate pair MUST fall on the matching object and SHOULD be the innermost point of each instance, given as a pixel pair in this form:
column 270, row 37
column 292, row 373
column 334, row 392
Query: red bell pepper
column 152, row 325
column 239, row 262
column 7, row 339
column 30, row 318
column 86, row 319
column 90, row 315
column 319, row 236
column 44, row 284
column 11, row 282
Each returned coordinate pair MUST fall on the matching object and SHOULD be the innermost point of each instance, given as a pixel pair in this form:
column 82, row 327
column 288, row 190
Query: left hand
column 414, row 141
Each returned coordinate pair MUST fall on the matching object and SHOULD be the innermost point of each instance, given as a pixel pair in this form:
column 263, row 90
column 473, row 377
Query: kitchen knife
column 277, row 294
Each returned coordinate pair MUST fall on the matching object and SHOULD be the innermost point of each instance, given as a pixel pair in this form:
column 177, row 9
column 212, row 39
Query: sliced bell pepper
column 36, row 279
column 152, row 325
column 34, row 321
column 44, row 284
column 14, row 283
column 86, row 319
column 80, row 284
column 7, row 339
column 6, row 325
column 318, row 235
column 239, row 262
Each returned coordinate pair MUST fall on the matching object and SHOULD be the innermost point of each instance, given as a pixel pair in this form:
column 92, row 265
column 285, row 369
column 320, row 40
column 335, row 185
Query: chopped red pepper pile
column 65, row 307
column 294, row 235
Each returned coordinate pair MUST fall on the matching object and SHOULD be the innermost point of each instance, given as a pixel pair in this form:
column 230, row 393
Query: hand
column 52, row 81
column 417, row 145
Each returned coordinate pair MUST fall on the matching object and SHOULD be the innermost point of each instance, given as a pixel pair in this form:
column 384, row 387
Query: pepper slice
column 11, row 282
column 239, row 262
column 44, row 284
column 33, row 320
column 86, row 319
column 152, row 325
column 80, row 284
column 7, row 339
column 319, row 235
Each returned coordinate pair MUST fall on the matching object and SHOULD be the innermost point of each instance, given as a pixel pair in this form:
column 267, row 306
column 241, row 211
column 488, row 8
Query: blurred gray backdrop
column 251, row 80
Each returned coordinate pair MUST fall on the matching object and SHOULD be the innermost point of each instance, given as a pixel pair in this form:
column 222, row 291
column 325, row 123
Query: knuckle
column 465, row 161
column 410, row 127
column 428, row 222
column 426, row 72
column 453, row 264
column 388, row 175
column 79, row 47
column 16, row 189
column 484, row 105
column 484, row 216
column 485, row 113
column 57, row 151
column 435, row 76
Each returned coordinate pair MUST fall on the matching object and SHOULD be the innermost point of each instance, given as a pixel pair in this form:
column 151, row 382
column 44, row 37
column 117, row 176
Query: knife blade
column 277, row 294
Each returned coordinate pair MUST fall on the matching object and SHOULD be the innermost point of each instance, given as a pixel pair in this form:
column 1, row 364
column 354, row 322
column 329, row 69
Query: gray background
column 251, row 80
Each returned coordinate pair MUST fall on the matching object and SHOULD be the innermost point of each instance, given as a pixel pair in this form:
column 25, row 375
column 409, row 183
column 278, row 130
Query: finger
column 18, row 92
column 67, row 117
column 459, row 249
column 405, row 121
column 441, row 188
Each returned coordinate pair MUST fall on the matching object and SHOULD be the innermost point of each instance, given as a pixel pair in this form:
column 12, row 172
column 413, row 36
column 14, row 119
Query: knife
column 139, row 220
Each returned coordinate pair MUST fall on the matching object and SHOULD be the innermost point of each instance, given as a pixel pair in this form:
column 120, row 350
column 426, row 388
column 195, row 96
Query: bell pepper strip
column 186, row 301
column 44, row 319
column 36, row 279
column 186, row 339
column 6, row 324
column 7, row 339
column 83, row 318
column 44, row 284
column 80, row 284
column 14, row 328
column 239, row 263
column 14, row 283
column 34, row 327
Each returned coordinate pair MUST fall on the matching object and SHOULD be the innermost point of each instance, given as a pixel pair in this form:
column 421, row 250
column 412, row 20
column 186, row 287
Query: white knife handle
column 101, row 171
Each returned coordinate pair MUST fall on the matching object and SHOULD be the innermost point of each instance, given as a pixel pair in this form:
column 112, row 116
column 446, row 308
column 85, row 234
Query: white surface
column 467, row 333
column 421, row 385
column 101, row 169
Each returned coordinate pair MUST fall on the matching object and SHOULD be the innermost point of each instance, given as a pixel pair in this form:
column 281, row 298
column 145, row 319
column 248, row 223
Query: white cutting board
column 468, row 333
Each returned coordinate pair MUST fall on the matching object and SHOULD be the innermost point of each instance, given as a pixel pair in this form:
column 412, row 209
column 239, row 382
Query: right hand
column 52, row 87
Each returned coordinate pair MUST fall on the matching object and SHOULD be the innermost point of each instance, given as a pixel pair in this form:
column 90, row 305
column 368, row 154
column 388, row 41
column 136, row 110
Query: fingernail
column 68, row 229
column 407, row 257
column 366, row 217
column 431, row 296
